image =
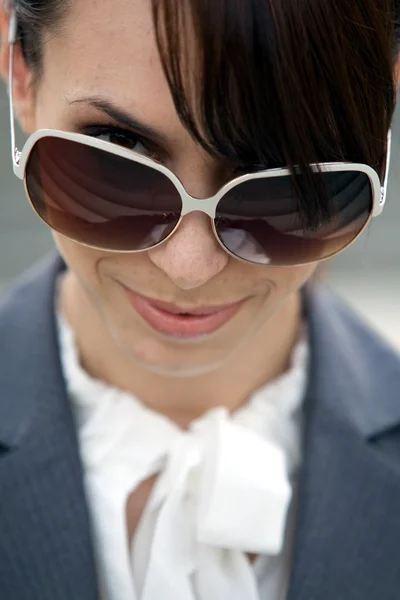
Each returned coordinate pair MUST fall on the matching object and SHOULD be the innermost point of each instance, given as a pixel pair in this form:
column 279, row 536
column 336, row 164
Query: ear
column 23, row 89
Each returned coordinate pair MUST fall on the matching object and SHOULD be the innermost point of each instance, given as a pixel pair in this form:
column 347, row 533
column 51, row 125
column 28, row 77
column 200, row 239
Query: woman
column 184, row 412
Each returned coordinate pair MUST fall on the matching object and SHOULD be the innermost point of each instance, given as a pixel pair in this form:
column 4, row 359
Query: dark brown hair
column 276, row 83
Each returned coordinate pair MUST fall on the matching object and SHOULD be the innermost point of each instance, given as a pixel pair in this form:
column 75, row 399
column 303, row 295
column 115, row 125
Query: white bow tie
column 239, row 480
column 223, row 492
column 236, row 484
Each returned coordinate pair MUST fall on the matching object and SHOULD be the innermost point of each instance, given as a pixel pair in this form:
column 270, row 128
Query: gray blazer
column 347, row 540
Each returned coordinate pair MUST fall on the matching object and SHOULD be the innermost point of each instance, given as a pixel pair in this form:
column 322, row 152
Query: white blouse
column 224, row 490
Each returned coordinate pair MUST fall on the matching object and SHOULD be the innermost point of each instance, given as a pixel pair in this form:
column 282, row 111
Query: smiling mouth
column 180, row 322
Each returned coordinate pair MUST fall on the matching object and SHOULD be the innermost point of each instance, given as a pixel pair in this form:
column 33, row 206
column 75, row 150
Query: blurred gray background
column 367, row 275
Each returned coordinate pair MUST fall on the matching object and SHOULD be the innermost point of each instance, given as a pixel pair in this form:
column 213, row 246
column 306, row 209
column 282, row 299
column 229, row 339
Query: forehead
column 108, row 47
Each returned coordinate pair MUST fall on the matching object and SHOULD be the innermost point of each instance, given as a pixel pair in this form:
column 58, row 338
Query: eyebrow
column 121, row 117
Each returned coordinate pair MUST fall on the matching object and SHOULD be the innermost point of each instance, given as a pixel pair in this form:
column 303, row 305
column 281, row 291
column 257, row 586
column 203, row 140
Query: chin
column 174, row 358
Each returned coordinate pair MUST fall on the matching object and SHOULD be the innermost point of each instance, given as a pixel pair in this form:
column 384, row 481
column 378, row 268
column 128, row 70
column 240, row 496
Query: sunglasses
column 111, row 198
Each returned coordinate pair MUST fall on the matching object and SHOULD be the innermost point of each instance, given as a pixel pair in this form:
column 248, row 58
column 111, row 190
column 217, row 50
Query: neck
column 258, row 362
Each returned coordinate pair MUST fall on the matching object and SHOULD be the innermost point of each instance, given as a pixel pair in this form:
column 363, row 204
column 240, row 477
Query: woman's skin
column 108, row 50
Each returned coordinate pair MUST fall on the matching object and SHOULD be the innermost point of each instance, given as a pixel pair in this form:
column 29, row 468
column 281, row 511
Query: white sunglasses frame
column 189, row 203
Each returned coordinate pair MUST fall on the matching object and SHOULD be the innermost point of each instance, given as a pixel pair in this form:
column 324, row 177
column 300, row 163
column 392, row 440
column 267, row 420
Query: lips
column 180, row 321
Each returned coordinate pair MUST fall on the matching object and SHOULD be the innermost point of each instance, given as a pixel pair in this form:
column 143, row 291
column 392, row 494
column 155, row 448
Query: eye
column 125, row 139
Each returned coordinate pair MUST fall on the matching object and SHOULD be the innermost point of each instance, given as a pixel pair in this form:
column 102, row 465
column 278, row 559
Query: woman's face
column 106, row 53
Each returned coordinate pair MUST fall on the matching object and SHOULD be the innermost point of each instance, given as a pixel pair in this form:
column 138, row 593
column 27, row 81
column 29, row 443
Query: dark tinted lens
column 259, row 220
column 100, row 199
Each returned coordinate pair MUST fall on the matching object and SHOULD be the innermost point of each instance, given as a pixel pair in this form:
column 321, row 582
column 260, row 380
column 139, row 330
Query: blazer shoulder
column 353, row 362
column 29, row 365
column 350, row 329
column 29, row 294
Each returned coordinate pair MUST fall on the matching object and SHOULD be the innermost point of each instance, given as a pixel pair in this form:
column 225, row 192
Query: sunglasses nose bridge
column 204, row 205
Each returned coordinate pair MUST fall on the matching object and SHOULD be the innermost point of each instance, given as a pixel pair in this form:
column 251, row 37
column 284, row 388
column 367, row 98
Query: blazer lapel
column 45, row 542
column 348, row 521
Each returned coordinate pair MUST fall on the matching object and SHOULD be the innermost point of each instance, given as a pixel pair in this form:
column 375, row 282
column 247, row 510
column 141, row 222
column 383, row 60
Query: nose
column 192, row 256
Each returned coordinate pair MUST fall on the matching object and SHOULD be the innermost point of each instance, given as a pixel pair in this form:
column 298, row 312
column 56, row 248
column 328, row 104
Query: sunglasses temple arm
column 387, row 169
column 12, row 39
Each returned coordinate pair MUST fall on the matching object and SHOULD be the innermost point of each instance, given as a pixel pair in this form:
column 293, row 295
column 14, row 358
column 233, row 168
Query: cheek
column 97, row 271
column 80, row 260
column 291, row 279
